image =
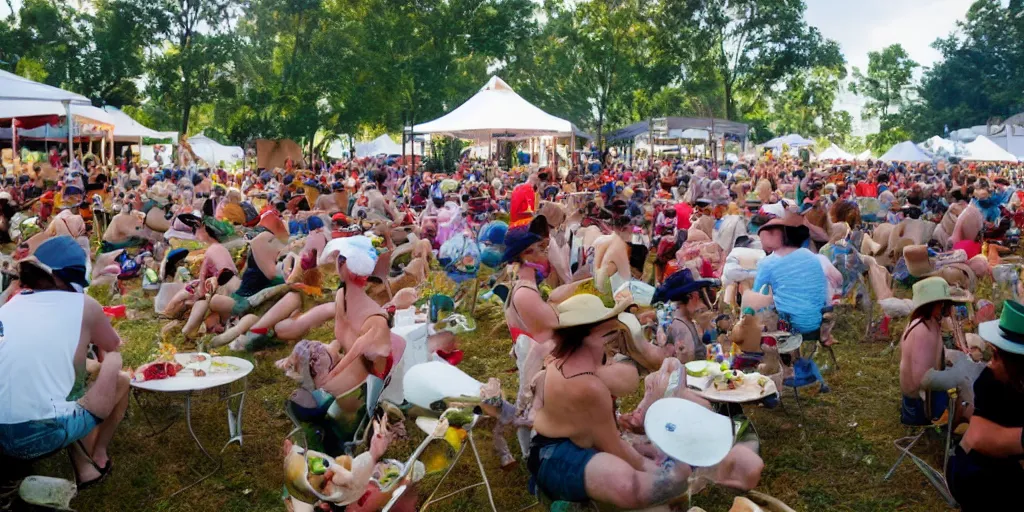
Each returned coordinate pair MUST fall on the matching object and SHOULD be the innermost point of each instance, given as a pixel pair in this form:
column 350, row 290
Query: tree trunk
column 730, row 106
column 186, row 111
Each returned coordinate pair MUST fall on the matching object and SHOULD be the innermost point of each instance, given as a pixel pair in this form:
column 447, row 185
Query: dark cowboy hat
column 522, row 234
column 678, row 285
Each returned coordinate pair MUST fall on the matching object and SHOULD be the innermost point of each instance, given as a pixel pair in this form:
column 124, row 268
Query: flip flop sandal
column 103, row 471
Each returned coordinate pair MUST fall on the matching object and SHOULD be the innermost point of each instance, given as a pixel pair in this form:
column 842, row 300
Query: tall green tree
column 593, row 62
column 885, row 83
column 750, row 45
column 981, row 75
column 195, row 42
column 805, row 105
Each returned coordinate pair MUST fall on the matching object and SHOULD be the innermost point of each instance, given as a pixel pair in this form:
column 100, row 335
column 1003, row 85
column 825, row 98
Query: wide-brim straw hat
column 935, row 289
column 586, row 309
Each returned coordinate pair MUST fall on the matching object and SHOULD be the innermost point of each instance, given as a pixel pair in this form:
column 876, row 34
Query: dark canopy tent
column 679, row 128
column 666, row 127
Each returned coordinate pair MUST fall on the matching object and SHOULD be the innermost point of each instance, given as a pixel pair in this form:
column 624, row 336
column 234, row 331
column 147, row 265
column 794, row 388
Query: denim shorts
column 558, row 467
column 912, row 410
column 33, row 439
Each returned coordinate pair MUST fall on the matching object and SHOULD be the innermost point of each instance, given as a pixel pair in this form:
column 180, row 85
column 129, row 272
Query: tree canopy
column 301, row 69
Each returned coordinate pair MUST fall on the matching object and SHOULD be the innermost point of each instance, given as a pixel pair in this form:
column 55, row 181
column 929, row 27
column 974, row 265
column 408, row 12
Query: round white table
column 187, row 384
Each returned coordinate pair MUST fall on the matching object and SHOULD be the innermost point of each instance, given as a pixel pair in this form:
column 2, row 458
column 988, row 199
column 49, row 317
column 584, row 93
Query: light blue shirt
column 798, row 285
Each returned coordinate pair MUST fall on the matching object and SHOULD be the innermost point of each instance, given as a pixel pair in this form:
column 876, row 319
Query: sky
column 863, row 26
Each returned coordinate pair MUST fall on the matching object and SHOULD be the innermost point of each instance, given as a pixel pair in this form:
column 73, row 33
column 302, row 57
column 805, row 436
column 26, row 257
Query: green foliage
column 445, row 153
column 886, row 81
column 981, row 76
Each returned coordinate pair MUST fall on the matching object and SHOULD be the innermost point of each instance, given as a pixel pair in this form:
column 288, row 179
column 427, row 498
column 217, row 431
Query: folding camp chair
column 438, row 304
column 905, row 444
column 483, row 474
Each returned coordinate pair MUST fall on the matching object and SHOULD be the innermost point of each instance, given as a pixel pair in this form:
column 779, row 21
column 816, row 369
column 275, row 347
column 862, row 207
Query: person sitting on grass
column 688, row 297
column 45, row 334
column 578, row 454
column 987, row 464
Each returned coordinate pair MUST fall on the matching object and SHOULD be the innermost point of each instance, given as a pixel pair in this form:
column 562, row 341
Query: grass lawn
column 832, row 458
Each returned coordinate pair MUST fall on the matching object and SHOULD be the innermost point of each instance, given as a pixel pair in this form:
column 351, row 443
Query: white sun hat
column 688, row 432
column 429, row 382
column 358, row 251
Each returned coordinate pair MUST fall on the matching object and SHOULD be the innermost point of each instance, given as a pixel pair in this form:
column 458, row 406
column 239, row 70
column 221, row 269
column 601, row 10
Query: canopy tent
column 943, row 148
column 213, row 152
column 905, row 151
column 127, row 129
column 10, row 109
column 14, row 87
column 497, row 112
column 792, row 140
column 835, row 152
column 337, row 150
column 382, row 145
column 680, row 127
column 984, row 150
column 865, row 155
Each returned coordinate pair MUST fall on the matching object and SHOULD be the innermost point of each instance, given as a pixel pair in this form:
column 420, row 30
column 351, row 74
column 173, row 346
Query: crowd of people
column 611, row 273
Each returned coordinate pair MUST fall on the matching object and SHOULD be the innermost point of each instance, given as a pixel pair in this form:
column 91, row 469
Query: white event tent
column 127, row 129
column 865, row 156
column 835, row 152
column 792, row 140
column 17, row 92
column 384, row 145
column 984, row 150
column 905, row 151
column 213, row 152
column 496, row 111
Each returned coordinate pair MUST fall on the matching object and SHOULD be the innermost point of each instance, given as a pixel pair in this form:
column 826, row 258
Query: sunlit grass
column 830, row 458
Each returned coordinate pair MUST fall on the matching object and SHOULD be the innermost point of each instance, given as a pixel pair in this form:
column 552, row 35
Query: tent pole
column 68, row 122
column 14, row 139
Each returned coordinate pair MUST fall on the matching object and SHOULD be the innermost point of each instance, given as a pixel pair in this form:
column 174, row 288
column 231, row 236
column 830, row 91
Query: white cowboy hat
column 586, row 309
column 358, row 251
column 429, row 382
column 688, row 432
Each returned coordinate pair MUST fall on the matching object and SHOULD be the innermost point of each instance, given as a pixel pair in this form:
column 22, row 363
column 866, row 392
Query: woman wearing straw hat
column 987, row 465
column 923, row 358
column 578, row 455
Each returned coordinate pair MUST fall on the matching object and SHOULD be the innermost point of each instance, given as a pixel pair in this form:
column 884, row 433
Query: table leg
column 234, row 414
column 192, row 432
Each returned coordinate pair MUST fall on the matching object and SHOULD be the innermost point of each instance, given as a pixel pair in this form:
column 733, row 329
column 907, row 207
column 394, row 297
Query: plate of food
column 738, row 387
column 198, row 363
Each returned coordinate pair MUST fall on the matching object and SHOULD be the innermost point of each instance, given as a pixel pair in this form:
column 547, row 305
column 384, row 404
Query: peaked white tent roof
column 496, row 111
column 382, row 145
column 127, row 129
column 792, row 140
column 835, row 152
column 865, row 155
column 984, row 150
column 14, row 87
column 905, row 151
column 337, row 149
column 20, row 108
column 214, row 152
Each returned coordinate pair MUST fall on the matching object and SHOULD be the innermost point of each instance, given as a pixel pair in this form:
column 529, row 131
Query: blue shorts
column 912, row 410
column 33, row 439
column 558, row 467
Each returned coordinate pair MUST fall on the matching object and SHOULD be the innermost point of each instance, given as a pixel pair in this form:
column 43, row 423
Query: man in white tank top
column 45, row 334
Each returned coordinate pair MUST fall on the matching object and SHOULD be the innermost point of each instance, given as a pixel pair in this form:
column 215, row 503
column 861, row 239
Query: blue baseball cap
column 61, row 256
